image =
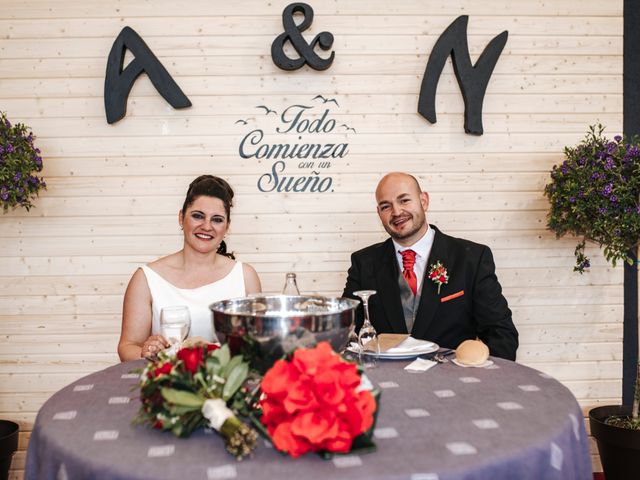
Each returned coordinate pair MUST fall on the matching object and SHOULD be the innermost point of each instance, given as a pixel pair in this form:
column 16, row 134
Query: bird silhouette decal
column 347, row 127
column 241, row 122
column 266, row 109
column 325, row 100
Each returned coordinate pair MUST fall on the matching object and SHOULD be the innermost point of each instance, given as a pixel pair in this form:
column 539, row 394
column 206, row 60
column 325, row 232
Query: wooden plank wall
column 114, row 190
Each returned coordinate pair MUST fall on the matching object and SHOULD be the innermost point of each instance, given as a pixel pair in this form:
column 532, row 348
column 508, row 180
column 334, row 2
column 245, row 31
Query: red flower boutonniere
column 438, row 275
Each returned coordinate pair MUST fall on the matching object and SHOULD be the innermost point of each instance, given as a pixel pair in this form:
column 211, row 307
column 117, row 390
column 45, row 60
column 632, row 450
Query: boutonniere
column 438, row 275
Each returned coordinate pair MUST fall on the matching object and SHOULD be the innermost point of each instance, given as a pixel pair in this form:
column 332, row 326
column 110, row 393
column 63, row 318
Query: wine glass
column 351, row 351
column 368, row 337
column 175, row 322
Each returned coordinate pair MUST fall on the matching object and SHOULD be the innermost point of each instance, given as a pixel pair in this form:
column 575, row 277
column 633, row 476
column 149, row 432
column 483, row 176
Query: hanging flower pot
column 20, row 162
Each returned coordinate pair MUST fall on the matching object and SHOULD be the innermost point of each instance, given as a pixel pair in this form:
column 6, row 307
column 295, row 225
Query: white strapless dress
column 164, row 294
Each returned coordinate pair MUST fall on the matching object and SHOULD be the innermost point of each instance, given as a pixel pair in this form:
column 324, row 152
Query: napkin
column 390, row 340
column 409, row 345
column 420, row 365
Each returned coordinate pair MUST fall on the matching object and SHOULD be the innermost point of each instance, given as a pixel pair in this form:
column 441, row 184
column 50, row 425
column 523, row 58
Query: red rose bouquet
column 316, row 402
column 190, row 389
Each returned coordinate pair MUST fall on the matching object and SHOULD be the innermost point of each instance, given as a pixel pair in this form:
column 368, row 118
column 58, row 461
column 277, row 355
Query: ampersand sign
column 304, row 49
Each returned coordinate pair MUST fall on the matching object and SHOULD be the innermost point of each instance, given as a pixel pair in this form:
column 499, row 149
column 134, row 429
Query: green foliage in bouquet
column 594, row 194
column 20, row 161
column 190, row 389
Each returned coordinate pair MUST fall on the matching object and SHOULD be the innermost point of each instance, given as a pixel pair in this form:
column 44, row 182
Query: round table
column 506, row 421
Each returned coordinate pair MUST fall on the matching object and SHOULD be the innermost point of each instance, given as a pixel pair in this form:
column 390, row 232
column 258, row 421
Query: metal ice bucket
column 265, row 328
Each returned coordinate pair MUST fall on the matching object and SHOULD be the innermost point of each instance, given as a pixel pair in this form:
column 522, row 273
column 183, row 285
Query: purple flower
column 617, row 138
column 633, row 151
column 595, row 176
column 7, row 123
column 581, row 161
column 611, row 147
column 609, row 164
column 21, row 190
column 564, row 168
column 602, row 210
column 17, row 177
column 4, row 194
column 572, row 199
column 9, row 148
column 608, row 188
column 613, row 199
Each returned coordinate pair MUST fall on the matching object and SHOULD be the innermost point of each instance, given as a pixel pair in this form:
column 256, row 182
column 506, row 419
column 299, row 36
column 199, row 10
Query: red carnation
column 312, row 402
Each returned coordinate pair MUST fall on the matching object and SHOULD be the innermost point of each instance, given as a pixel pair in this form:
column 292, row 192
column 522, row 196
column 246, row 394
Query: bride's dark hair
column 216, row 187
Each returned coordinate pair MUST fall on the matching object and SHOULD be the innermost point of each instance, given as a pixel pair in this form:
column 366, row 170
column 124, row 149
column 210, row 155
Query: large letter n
column 118, row 82
column 472, row 79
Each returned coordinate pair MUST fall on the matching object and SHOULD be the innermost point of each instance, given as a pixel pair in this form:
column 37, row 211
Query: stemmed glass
column 352, row 350
column 368, row 337
column 175, row 323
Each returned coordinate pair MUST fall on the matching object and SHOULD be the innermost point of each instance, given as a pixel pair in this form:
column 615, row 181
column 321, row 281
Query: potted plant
column 594, row 194
column 616, row 429
column 20, row 161
column 8, row 445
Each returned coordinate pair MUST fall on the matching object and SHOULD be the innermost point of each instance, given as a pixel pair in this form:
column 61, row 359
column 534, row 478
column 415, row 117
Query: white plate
column 402, row 354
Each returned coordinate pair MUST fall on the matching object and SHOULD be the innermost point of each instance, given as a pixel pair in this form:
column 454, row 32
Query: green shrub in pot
column 594, row 194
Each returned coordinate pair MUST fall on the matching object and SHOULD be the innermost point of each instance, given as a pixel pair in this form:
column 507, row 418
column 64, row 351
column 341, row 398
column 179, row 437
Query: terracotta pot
column 619, row 448
column 8, row 445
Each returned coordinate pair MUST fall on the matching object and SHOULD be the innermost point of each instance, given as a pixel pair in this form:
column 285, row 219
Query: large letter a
column 472, row 79
column 118, row 82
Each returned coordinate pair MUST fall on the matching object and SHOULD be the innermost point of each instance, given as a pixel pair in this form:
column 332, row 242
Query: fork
column 440, row 358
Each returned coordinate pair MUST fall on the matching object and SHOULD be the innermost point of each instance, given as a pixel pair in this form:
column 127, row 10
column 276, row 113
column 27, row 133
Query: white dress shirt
column 422, row 248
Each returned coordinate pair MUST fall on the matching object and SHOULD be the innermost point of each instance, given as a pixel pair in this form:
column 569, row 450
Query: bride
column 201, row 273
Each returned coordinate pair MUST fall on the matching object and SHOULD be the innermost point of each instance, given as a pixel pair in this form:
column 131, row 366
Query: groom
column 436, row 287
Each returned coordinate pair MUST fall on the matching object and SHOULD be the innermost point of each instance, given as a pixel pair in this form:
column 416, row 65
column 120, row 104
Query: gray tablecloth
column 503, row 422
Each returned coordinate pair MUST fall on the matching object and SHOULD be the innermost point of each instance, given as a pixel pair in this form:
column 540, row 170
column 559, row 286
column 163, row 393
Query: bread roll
column 472, row 352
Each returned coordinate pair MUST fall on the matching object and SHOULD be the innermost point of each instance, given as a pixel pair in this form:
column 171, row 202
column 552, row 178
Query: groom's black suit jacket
column 470, row 305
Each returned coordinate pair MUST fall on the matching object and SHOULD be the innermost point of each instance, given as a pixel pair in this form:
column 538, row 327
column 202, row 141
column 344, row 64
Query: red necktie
column 408, row 261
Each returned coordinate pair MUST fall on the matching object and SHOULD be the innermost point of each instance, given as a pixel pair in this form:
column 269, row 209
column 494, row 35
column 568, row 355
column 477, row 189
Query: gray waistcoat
column 410, row 303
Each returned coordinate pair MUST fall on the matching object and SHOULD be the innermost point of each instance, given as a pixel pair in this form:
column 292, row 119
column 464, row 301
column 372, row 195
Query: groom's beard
column 418, row 223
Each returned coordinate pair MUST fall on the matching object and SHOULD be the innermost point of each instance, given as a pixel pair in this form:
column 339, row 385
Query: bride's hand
column 152, row 346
